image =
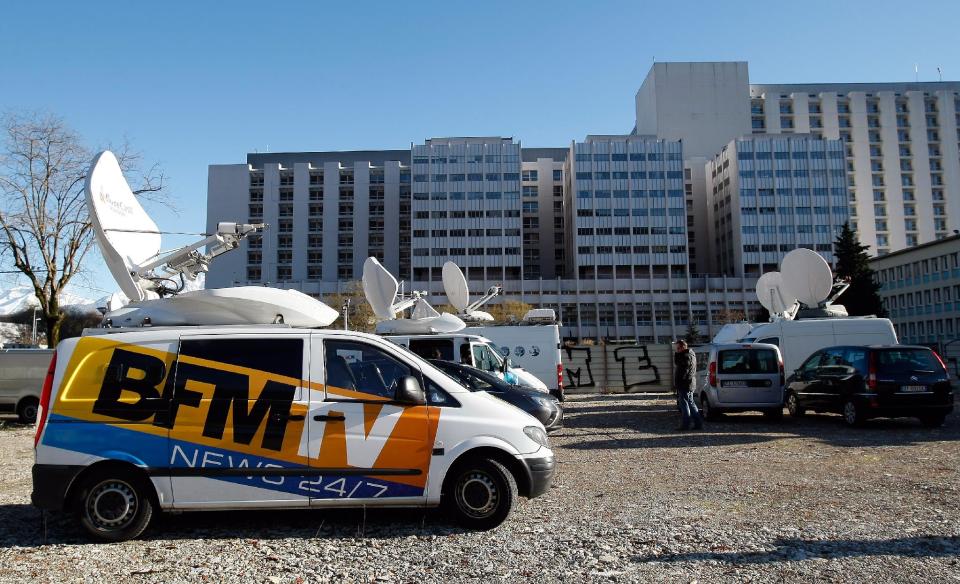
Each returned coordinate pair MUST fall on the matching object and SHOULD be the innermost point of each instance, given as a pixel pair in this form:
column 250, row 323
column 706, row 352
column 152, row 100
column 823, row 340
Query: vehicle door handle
column 323, row 418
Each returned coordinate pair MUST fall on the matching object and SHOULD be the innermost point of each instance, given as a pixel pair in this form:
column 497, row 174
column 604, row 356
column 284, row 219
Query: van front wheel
column 114, row 506
column 482, row 494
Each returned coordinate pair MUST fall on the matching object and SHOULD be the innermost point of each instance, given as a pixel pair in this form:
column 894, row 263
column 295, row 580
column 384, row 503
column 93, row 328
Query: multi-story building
column 901, row 139
column 771, row 194
column 921, row 293
column 618, row 244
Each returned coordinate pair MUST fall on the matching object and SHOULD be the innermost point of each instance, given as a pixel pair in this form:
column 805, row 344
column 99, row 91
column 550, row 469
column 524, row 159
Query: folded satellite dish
column 772, row 294
column 455, row 286
column 130, row 243
column 380, row 288
column 806, row 276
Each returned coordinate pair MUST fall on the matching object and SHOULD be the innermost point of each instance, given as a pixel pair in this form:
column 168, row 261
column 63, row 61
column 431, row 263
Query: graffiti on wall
column 650, row 375
column 575, row 377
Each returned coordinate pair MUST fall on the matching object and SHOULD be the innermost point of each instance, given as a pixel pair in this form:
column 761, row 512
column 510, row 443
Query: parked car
column 874, row 381
column 248, row 417
column 543, row 407
column 21, row 379
column 739, row 377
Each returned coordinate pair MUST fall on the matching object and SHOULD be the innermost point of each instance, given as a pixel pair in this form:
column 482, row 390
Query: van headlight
column 537, row 435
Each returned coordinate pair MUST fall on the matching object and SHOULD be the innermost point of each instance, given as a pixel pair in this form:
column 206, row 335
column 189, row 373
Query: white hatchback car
column 739, row 377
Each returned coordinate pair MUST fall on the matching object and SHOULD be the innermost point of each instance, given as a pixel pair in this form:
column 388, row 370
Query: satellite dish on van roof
column 772, row 295
column 380, row 288
column 455, row 286
column 130, row 242
column 127, row 236
column 807, row 276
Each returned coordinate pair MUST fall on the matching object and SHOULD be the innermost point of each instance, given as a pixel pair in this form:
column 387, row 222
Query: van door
column 362, row 444
column 484, row 359
column 237, row 413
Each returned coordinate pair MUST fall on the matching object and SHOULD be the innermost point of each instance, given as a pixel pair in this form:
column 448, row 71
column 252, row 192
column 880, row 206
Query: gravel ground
column 745, row 500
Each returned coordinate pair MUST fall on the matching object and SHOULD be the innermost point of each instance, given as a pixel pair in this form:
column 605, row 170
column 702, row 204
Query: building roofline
column 916, row 247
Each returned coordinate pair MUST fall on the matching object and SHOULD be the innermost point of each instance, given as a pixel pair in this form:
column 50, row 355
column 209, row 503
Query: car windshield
column 894, row 361
column 748, row 361
column 472, row 378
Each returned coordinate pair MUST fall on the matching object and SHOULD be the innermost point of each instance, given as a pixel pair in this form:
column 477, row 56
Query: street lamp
column 346, row 313
column 34, row 326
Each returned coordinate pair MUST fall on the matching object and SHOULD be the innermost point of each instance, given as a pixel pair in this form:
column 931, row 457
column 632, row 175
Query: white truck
column 798, row 339
column 534, row 347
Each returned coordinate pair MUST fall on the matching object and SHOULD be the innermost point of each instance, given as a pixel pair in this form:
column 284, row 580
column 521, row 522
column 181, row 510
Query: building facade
column 771, row 194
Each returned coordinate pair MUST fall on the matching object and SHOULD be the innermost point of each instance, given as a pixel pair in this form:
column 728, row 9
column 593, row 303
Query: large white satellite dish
column 127, row 236
column 455, row 286
column 380, row 288
column 130, row 243
column 772, row 295
column 807, row 276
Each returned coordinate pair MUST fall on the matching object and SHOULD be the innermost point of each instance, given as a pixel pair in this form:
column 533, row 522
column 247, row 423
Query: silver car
column 740, row 377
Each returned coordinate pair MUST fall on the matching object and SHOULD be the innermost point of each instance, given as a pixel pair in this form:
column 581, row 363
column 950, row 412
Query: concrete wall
column 617, row 368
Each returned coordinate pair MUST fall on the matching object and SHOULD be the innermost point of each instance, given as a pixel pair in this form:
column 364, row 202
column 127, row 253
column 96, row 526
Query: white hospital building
column 627, row 236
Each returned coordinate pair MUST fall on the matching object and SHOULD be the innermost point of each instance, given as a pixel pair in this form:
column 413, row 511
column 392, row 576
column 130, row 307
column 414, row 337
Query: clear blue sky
column 198, row 83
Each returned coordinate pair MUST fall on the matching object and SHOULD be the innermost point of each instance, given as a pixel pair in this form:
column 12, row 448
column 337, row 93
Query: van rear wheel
column 27, row 410
column 707, row 411
column 114, row 505
column 482, row 494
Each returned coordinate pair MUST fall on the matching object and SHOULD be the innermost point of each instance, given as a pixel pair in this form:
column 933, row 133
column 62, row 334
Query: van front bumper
column 540, row 472
column 51, row 483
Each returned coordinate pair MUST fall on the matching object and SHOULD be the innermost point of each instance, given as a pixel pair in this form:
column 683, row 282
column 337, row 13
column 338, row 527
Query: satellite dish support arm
column 492, row 293
column 188, row 260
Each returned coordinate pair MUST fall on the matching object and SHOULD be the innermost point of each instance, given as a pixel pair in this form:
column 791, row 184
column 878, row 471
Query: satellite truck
column 803, row 317
column 433, row 335
column 239, row 398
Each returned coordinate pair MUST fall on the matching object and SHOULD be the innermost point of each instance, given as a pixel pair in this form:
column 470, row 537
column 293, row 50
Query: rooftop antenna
column 916, row 72
column 939, row 74
column 455, row 286
column 380, row 288
column 130, row 243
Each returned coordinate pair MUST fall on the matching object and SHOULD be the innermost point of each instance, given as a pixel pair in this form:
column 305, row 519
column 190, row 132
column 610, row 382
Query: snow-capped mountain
column 19, row 298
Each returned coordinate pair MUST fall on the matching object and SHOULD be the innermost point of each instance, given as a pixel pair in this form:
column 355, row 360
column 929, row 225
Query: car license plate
column 913, row 388
column 733, row 384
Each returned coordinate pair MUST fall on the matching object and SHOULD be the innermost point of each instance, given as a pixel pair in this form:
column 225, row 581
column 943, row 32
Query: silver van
column 21, row 378
column 740, row 377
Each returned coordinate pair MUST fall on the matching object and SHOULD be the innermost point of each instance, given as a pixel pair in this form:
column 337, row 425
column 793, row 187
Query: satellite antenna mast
column 458, row 293
column 130, row 243
column 380, row 288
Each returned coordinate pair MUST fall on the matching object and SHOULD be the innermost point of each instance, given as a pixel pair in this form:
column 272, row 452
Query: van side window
column 483, row 358
column 811, row 363
column 770, row 341
column 436, row 396
column 273, row 355
column 433, row 348
column 702, row 358
column 857, row 358
column 363, row 368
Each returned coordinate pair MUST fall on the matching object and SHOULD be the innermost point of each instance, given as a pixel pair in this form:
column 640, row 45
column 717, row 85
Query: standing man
column 685, row 372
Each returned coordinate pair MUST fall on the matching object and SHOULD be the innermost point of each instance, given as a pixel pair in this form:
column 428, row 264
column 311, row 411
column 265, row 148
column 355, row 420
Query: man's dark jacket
column 685, row 370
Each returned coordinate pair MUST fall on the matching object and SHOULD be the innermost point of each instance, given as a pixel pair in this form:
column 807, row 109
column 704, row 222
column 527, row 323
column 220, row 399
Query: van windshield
column 748, row 361
column 896, row 361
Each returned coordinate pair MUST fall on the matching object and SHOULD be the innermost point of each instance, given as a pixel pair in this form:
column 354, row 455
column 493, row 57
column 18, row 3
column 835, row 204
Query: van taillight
column 872, row 372
column 713, row 374
column 45, row 399
column 783, row 378
column 560, row 377
column 939, row 358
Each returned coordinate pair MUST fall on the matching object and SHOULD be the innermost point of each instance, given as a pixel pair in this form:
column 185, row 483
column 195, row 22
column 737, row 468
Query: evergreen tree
column 862, row 297
column 692, row 336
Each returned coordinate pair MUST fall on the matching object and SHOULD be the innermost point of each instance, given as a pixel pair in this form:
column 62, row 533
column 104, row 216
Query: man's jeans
column 688, row 410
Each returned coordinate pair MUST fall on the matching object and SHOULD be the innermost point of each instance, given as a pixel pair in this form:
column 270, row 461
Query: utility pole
column 34, row 326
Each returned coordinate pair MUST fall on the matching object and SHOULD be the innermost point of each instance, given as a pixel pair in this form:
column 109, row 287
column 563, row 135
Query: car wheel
column 773, row 414
column 852, row 416
column 482, row 494
column 114, row 505
column 706, row 410
column 934, row 421
column 27, row 410
column 793, row 406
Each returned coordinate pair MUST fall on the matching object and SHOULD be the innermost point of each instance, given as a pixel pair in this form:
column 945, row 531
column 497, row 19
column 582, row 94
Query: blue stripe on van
column 148, row 450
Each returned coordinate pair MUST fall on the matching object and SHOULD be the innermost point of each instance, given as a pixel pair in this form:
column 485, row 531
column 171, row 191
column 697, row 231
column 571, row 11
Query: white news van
column 270, row 416
column 798, row 339
column 468, row 349
column 535, row 348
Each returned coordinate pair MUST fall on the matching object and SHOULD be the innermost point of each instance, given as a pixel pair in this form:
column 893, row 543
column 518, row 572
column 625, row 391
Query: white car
column 264, row 417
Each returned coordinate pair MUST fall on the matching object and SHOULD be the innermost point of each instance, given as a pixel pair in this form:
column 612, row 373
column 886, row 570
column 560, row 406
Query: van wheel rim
column 850, row 412
column 30, row 412
column 477, row 495
column 111, row 505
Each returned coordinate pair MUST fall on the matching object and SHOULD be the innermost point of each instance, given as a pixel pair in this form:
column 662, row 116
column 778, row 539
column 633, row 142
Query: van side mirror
column 409, row 392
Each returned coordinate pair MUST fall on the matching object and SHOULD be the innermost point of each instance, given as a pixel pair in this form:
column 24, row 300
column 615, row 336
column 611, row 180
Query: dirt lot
column 745, row 500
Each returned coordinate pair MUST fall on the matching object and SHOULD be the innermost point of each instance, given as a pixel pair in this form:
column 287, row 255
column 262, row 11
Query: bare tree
column 45, row 229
